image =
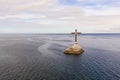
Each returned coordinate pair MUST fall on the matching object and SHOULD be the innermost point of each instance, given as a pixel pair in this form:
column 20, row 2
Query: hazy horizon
column 58, row 32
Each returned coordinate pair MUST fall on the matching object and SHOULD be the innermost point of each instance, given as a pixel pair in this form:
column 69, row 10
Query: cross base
column 75, row 50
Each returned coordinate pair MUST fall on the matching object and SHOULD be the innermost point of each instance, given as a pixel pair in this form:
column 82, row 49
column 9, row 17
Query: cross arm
column 76, row 32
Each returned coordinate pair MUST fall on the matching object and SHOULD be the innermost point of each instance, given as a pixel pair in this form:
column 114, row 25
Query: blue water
column 41, row 57
column 102, row 34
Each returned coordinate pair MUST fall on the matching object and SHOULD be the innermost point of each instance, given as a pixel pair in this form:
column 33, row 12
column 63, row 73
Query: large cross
column 76, row 34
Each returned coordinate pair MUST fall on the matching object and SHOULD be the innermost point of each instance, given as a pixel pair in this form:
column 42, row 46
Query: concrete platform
column 75, row 50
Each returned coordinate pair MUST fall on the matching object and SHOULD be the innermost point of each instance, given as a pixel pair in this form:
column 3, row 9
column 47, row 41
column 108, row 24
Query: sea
column 41, row 57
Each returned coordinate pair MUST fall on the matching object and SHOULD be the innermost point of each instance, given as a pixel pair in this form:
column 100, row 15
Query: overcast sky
column 59, row 16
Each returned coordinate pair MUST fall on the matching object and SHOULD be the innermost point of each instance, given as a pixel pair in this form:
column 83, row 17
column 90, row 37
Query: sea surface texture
column 41, row 57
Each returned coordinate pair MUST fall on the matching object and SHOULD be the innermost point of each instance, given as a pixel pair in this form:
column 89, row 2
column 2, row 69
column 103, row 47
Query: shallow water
column 41, row 57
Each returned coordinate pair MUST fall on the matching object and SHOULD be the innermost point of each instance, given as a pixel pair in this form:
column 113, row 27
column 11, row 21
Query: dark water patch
column 103, row 35
column 20, row 60
column 104, row 61
column 63, row 40
column 93, row 64
column 57, row 48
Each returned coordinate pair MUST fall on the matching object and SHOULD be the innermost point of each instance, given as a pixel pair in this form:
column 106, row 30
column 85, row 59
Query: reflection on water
column 41, row 57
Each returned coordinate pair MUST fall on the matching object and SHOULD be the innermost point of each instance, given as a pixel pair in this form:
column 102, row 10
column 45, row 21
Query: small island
column 75, row 49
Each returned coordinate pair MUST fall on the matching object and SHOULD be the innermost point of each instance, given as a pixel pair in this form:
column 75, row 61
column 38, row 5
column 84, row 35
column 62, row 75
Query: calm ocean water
column 41, row 57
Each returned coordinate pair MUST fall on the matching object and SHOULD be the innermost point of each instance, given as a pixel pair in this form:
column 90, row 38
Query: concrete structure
column 75, row 49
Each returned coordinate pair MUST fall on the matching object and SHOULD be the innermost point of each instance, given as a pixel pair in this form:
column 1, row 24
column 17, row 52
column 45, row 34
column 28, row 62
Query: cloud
column 105, row 12
column 18, row 6
column 22, row 16
column 98, row 2
column 57, row 16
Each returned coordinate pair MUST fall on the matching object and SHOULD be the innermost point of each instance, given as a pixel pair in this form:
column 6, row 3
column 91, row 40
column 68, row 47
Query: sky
column 59, row 16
